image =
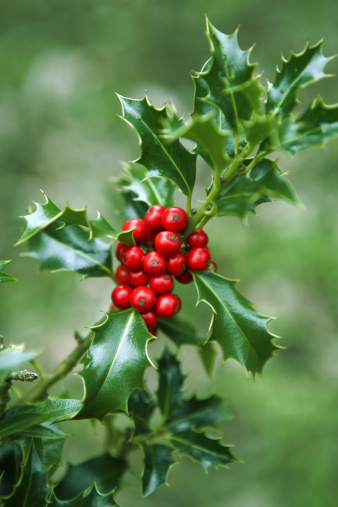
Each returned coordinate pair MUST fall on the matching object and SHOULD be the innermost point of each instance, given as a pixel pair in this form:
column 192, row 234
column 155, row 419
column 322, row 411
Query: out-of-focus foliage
column 60, row 63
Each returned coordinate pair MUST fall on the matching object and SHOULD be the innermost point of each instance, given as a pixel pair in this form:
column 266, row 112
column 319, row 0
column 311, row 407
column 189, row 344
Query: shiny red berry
column 121, row 296
column 167, row 243
column 150, row 237
column 176, row 264
column 140, row 230
column 142, row 298
column 153, row 217
column 161, row 284
column 119, row 249
column 174, row 219
column 179, row 302
column 137, row 278
column 154, row 263
column 185, row 277
column 198, row 259
column 150, row 318
column 167, row 306
column 197, row 238
column 131, row 258
column 121, row 274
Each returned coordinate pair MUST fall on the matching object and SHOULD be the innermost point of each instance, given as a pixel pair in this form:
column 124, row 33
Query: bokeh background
column 60, row 64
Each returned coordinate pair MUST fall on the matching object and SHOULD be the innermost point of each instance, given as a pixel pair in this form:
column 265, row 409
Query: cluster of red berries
column 160, row 254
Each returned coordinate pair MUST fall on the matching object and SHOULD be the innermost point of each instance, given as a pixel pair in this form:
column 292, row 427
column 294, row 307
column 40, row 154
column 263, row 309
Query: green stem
column 38, row 368
column 188, row 206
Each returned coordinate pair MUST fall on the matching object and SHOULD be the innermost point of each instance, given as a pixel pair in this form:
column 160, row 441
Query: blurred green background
column 60, row 64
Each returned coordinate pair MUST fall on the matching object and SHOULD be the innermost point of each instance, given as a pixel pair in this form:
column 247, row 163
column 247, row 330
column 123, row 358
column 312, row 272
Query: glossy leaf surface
column 170, row 388
column 157, row 463
column 241, row 331
column 197, row 414
column 141, row 406
column 115, row 363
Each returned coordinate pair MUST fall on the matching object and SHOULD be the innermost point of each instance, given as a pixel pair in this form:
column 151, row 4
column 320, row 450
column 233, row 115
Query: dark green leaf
column 115, row 363
column 12, row 358
column 197, row 414
column 45, row 431
column 69, row 249
column 10, row 468
column 299, row 71
column 4, row 277
column 157, row 464
column 170, row 388
column 241, row 332
column 246, row 191
column 104, row 470
column 168, row 161
column 49, row 452
column 208, row 452
column 19, row 418
column 208, row 354
column 141, row 406
column 150, row 191
column 180, row 331
column 90, row 498
column 315, row 127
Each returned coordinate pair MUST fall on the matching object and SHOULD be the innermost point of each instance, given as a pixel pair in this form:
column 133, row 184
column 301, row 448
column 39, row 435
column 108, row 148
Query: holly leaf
column 170, row 388
column 148, row 190
column 157, row 463
column 318, row 125
column 90, row 498
column 47, row 431
column 200, row 448
column 197, row 414
column 4, row 277
column 48, row 213
column 12, row 358
column 67, row 249
column 141, row 406
column 104, row 470
column 240, row 331
column 114, row 364
column 162, row 161
column 245, row 192
column 11, row 458
column 208, row 354
column 299, row 71
column 17, row 419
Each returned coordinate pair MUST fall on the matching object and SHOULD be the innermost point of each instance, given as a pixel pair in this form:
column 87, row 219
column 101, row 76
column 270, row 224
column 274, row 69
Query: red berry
column 119, row 249
column 174, row 219
column 176, row 264
column 167, row 243
column 131, row 258
column 150, row 237
column 161, row 284
column 197, row 238
column 111, row 308
column 167, row 306
column 153, row 331
column 185, row 277
column 150, row 318
column 140, row 228
column 179, row 302
column 154, row 263
column 121, row 274
column 198, row 259
column 142, row 298
column 137, row 278
column 153, row 217
column 121, row 296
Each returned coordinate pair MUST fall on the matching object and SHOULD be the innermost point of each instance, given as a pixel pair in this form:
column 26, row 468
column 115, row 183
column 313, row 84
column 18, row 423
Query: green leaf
column 33, row 488
column 11, row 458
column 318, row 125
column 12, row 358
column 204, row 450
column 90, row 498
column 68, row 249
column 150, row 191
column 141, row 406
column 228, row 79
column 170, row 388
column 245, row 192
column 208, row 354
column 104, row 470
column 49, row 451
column 47, row 214
column 157, row 463
column 43, row 431
column 173, row 161
column 299, row 71
column 19, row 418
column 4, row 277
column 197, row 414
column 115, row 363
column 241, row 332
